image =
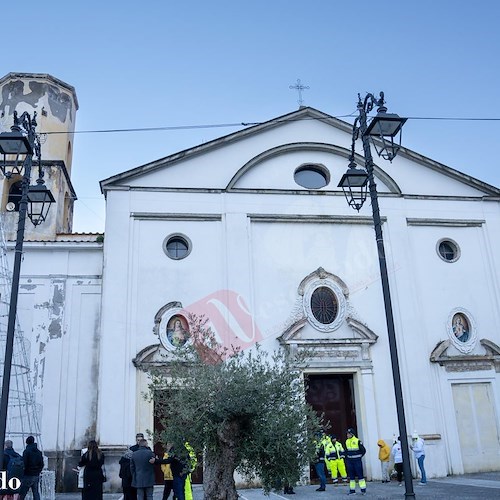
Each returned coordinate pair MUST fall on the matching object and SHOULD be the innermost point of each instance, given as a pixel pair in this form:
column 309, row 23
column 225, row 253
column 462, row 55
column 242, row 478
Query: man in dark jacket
column 33, row 465
column 129, row 492
column 13, row 464
column 138, row 438
column 143, row 472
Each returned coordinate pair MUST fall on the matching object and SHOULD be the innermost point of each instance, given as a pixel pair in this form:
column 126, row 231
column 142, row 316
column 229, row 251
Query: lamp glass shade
column 39, row 200
column 382, row 130
column 385, row 125
column 354, row 183
column 14, row 143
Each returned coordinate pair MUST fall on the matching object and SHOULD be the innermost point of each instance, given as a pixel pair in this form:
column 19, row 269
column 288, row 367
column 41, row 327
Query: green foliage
column 246, row 409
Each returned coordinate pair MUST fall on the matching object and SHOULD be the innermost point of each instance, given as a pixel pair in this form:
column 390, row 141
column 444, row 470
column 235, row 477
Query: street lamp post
column 383, row 129
column 22, row 143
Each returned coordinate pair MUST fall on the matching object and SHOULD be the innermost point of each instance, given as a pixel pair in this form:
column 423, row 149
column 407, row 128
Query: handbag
column 80, row 477
column 103, row 472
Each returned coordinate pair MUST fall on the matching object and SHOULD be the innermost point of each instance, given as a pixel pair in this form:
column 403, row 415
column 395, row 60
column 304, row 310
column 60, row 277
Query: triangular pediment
column 152, row 356
column 485, row 357
column 361, row 334
column 263, row 158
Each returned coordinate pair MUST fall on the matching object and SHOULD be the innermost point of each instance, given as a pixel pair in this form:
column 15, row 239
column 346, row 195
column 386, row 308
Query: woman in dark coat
column 93, row 477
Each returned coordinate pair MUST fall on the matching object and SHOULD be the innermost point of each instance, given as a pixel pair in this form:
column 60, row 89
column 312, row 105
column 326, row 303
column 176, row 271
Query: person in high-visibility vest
column 335, row 460
column 168, row 478
column 354, row 451
column 193, row 462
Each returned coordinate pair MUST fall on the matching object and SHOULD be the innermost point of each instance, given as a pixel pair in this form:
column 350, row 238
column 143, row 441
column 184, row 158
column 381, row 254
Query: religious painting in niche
column 461, row 328
column 177, row 330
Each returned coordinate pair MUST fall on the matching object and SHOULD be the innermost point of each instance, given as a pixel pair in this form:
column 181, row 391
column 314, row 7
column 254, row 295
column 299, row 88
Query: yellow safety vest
column 352, row 447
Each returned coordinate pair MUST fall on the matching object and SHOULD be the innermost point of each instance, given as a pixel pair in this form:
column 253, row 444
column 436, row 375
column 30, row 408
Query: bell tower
column 55, row 104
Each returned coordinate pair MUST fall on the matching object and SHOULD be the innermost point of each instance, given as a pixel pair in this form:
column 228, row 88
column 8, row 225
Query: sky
column 165, row 63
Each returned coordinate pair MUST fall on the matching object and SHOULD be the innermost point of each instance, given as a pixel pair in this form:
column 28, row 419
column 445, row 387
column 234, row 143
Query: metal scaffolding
column 24, row 413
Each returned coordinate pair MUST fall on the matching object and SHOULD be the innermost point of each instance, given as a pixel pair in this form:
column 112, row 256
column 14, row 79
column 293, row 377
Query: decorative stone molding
column 151, row 356
column 348, row 352
column 163, row 325
column 318, row 279
column 467, row 362
column 327, row 348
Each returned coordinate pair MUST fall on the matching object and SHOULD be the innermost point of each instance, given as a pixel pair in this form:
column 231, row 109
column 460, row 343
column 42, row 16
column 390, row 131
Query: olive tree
column 241, row 411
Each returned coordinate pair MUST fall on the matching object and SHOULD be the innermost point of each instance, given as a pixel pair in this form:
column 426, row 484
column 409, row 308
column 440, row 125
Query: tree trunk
column 218, row 473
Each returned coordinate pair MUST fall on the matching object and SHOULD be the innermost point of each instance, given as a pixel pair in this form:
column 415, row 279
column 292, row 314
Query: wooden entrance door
column 332, row 396
column 159, row 449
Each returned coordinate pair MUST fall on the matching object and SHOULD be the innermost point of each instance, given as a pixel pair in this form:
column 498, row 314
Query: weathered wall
column 55, row 104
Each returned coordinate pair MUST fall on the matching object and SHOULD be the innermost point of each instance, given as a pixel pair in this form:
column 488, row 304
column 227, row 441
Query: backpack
column 15, row 467
column 37, row 462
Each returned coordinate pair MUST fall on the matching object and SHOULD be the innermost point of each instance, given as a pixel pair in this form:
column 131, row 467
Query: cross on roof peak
column 299, row 88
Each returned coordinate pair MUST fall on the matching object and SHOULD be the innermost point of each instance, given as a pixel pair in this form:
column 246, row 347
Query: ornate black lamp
column 23, row 143
column 16, row 144
column 39, row 200
column 354, row 183
column 382, row 129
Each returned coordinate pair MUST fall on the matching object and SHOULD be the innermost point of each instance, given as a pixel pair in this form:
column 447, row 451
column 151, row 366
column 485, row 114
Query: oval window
column 324, row 305
column 448, row 250
column 177, row 246
column 312, row 176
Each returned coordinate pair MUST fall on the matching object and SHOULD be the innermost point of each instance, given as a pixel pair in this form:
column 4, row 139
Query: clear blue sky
column 160, row 63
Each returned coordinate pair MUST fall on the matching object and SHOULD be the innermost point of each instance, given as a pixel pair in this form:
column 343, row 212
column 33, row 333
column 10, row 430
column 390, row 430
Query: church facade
column 228, row 229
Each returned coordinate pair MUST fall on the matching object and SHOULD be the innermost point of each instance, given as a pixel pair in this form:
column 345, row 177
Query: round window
column 177, row 246
column 324, row 305
column 312, row 176
column 448, row 250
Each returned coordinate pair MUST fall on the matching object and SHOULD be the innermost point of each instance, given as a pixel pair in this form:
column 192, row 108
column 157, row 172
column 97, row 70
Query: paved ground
column 484, row 486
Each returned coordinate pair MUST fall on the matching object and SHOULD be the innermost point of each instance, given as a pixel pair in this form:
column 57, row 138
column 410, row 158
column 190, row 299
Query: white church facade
column 227, row 230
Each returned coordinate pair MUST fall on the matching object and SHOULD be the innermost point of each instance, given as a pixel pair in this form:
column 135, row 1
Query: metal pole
column 396, row 375
column 16, row 274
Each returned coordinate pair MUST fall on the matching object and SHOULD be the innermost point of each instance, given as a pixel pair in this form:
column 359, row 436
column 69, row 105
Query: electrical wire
column 248, row 124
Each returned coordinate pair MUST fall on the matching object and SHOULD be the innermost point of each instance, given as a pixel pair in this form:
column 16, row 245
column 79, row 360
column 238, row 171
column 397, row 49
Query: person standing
column 33, row 465
column 93, row 476
column 129, row 492
column 355, row 451
column 180, row 470
column 143, row 472
column 168, row 478
column 384, row 455
column 335, row 460
column 319, row 464
column 14, row 465
column 398, row 460
column 418, row 448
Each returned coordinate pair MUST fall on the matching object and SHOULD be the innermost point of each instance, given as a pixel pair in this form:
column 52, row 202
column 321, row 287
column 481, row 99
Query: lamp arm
column 355, row 136
column 370, row 101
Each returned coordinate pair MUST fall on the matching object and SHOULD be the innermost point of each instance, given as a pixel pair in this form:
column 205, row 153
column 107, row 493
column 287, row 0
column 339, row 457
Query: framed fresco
column 462, row 330
column 174, row 329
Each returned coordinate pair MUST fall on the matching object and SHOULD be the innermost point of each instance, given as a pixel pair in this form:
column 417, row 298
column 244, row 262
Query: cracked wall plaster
column 60, row 103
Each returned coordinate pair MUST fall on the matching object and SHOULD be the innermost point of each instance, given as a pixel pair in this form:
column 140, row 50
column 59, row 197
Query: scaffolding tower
column 24, row 413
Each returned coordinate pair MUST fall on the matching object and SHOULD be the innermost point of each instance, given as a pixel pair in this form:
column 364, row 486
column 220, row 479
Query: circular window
column 448, row 250
column 177, row 246
column 312, row 176
column 324, row 305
